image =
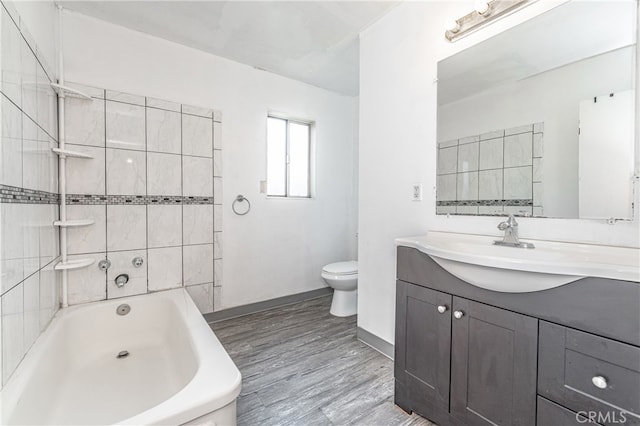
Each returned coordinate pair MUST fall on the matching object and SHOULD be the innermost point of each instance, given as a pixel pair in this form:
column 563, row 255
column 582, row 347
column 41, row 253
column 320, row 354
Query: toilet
column 343, row 278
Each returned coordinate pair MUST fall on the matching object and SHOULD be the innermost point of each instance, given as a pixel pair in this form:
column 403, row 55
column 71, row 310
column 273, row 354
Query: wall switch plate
column 416, row 192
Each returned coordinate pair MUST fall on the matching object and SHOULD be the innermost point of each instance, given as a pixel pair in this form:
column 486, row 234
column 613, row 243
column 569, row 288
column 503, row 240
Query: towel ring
column 240, row 199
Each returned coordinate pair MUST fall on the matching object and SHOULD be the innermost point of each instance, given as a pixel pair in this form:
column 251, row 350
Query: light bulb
column 452, row 26
column 482, row 7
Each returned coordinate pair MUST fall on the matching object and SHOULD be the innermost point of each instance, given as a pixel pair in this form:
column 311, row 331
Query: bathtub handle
column 121, row 280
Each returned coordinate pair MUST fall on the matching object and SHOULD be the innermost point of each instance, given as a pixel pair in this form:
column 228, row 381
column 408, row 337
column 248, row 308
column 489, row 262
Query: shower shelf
column 74, row 264
column 63, row 91
column 68, row 153
column 73, row 223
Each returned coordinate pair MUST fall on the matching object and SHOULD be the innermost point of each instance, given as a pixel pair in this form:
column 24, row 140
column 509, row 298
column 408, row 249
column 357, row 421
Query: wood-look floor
column 302, row 366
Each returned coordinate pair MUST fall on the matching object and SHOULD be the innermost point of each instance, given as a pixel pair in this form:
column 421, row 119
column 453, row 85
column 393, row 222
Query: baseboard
column 265, row 305
column 381, row 345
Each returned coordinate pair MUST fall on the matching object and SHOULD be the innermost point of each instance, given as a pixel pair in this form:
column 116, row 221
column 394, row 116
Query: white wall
column 280, row 247
column 398, row 65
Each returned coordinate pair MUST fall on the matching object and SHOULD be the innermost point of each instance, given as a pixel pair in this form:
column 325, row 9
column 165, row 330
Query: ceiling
column 312, row 41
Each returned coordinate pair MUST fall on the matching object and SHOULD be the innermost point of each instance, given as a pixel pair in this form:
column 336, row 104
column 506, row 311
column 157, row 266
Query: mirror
column 539, row 120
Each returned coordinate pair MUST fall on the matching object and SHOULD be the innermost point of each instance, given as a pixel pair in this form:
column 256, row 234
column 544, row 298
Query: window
column 288, row 158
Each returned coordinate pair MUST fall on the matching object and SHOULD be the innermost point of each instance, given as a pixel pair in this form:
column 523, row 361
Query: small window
column 288, row 158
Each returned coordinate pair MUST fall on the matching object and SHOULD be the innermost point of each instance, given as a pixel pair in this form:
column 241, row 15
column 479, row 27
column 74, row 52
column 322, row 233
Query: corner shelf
column 74, row 264
column 68, row 153
column 73, row 223
column 62, row 91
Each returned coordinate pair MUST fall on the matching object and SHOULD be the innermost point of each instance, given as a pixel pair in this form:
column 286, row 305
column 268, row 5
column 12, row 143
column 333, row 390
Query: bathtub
column 176, row 371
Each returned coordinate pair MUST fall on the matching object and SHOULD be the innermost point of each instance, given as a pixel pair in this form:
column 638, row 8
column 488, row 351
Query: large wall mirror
column 539, row 120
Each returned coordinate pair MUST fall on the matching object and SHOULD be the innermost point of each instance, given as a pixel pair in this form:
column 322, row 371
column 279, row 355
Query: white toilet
column 343, row 278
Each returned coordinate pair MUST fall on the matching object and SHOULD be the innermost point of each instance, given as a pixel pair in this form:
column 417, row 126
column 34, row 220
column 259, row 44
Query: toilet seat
column 342, row 268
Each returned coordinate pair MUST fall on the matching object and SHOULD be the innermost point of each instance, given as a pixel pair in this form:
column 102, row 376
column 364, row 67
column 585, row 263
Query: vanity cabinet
column 470, row 356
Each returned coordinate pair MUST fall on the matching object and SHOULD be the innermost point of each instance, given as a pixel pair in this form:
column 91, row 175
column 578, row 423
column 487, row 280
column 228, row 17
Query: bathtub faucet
column 121, row 280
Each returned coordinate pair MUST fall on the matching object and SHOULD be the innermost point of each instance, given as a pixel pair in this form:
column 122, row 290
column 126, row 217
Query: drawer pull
column 458, row 314
column 599, row 382
column 442, row 309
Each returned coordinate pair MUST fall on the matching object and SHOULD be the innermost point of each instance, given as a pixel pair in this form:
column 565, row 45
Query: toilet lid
column 342, row 268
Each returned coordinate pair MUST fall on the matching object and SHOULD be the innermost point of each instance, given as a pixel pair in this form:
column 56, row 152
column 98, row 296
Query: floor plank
column 302, row 366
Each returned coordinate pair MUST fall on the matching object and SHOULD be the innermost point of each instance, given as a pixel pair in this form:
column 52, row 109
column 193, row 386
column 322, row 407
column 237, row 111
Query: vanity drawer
column 586, row 373
column 551, row 414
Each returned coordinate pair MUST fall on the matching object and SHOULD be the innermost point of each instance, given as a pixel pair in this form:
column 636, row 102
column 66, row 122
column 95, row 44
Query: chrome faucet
column 510, row 228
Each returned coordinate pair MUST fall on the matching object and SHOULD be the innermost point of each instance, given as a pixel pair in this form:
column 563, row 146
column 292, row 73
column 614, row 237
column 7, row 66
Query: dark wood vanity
column 469, row 356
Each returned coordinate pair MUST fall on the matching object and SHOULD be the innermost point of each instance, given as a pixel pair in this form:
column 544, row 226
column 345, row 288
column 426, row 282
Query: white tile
column 125, row 126
column 197, row 176
column 517, row 183
column 518, row 210
column 217, row 135
column 217, row 218
column 202, row 296
column 122, row 263
column 87, row 239
column 218, row 276
column 538, row 169
column 492, row 135
column 468, row 139
column 217, row 190
column 10, row 61
column 126, row 172
column 538, row 148
column 126, row 227
column 165, row 225
column 197, row 224
column 49, row 294
column 446, row 187
column 468, row 157
column 538, row 194
column 86, row 176
column 217, row 299
column 518, row 150
column 162, row 104
column 194, row 110
column 538, row 211
column 31, row 289
column 491, row 154
column 49, row 234
column 87, row 284
column 11, row 120
column 84, row 121
column 94, row 92
column 12, row 226
column 12, row 331
column 217, row 245
column 447, row 144
column 197, row 136
column 45, row 101
column 467, row 210
column 163, row 131
column 165, row 268
column 29, row 92
column 31, row 238
column 445, row 209
column 518, row 130
column 490, row 185
column 11, row 162
column 538, row 127
column 112, row 95
column 217, row 163
column 490, row 210
column 164, row 174
column 197, row 264
column 31, row 157
column 447, row 160
column 467, row 186
column 49, row 175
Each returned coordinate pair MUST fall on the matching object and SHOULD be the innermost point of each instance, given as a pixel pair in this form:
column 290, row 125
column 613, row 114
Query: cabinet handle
column 599, row 382
column 458, row 314
column 442, row 309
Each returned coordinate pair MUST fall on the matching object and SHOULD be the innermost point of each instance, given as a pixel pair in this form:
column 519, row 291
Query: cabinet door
column 423, row 345
column 493, row 365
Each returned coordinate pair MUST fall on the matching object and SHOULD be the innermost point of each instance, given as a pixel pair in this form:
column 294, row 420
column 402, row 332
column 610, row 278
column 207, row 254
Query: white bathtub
column 177, row 372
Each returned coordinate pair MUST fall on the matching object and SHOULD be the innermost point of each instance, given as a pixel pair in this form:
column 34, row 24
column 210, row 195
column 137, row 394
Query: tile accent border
column 265, row 305
column 13, row 195
column 519, row 203
column 380, row 345
column 93, row 200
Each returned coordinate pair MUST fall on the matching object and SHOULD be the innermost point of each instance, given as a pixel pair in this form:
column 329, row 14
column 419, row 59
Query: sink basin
column 474, row 259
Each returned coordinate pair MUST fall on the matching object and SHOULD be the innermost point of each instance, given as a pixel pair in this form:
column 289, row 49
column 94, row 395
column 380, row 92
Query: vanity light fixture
column 485, row 12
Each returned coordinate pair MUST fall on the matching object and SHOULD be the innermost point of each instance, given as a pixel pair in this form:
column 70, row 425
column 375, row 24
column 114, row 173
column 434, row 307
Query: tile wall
column 154, row 190
column 29, row 198
column 492, row 174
